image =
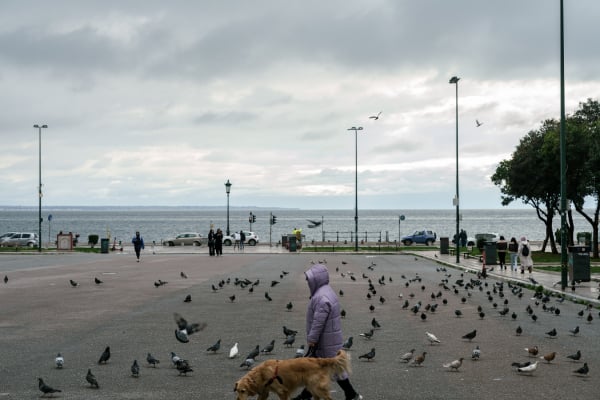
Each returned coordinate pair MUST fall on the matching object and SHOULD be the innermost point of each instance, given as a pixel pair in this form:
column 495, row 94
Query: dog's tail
column 341, row 363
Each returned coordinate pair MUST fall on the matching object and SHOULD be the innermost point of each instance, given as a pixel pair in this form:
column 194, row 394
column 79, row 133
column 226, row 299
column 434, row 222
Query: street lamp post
column 39, row 127
column 227, row 190
column 356, row 129
column 563, row 160
column 454, row 80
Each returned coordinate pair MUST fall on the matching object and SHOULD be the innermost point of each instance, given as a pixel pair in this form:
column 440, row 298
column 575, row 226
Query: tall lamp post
column 563, row 161
column 454, row 80
column 356, row 129
column 227, row 190
column 39, row 127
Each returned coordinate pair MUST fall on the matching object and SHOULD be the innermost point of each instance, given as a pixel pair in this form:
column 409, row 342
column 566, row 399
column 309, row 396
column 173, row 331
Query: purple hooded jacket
column 323, row 320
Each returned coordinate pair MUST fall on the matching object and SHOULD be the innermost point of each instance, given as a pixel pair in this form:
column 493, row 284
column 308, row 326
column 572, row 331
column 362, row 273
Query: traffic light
column 273, row 220
column 253, row 218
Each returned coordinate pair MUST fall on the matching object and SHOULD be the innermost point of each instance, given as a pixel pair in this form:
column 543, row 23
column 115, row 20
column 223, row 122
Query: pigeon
column 45, row 388
column 188, row 298
column 341, row 292
column 183, row 275
column 300, row 352
column 549, row 357
column 289, row 341
column 214, row 288
column 576, row 356
column 248, row 363
column 432, row 338
column 519, row 330
column 73, row 283
column 184, row 329
column 97, row 281
column 273, row 283
column 375, row 324
column 454, row 365
column 418, row 360
column 287, row 332
column 343, row 313
column 477, row 123
column 371, row 308
column 92, row 379
column 183, row 366
column 174, row 358
column 151, row 360
column 423, row 316
column 5, row 279
column 583, row 370
column 533, row 351
column 590, row 318
column 368, row 356
column 458, row 313
column 521, row 365
column 215, row 347
column 232, row 298
column 268, row 348
column 233, row 352
column 59, row 361
column 104, row 356
column 406, row 357
column 475, row 354
column 348, row 343
column 551, row 333
column 529, row 368
column 254, row 353
column 574, row 331
column 375, row 117
column 289, row 306
column 367, row 335
column 268, row 297
column 471, row 335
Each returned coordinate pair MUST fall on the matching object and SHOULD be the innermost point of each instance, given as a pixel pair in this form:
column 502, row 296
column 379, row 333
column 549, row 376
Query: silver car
column 22, row 239
column 186, row 239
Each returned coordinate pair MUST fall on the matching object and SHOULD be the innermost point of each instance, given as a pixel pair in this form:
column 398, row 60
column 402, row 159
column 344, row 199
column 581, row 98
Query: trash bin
column 579, row 264
column 490, row 253
column 104, row 246
column 292, row 242
column 444, row 245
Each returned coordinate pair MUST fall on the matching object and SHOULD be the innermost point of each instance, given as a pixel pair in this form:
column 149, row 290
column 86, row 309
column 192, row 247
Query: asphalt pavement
column 42, row 314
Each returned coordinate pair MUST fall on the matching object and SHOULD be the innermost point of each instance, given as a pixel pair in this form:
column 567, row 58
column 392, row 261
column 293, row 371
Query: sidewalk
column 584, row 291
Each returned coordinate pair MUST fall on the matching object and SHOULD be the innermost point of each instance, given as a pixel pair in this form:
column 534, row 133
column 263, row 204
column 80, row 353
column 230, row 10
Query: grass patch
column 556, row 268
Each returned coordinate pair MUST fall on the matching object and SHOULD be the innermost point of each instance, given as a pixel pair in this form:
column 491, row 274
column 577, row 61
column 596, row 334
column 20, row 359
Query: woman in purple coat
column 324, row 325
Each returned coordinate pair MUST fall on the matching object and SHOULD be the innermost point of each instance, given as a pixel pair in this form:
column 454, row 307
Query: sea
column 159, row 223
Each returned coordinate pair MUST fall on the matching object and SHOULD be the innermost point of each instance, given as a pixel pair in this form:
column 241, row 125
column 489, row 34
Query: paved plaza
column 41, row 314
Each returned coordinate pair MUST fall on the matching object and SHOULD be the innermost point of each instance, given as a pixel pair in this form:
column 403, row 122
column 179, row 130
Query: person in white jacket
column 525, row 255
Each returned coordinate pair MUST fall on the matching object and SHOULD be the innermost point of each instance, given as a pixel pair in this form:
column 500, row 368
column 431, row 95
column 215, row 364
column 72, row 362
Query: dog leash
column 275, row 376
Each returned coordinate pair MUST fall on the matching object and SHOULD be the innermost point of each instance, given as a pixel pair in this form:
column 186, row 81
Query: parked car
column 186, row 239
column 21, row 239
column 251, row 238
column 425, row 236
column 6, row 235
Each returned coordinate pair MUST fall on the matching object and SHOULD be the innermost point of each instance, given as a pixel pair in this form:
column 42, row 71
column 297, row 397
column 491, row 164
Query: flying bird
column 375, row 117
column 273, row 283
column 454, row 365
column 91, row 379
column 45, row 388
column 477, row 123
column 59, row 361
column 232, row 298
column 314, row 224
column 368, row 356
column 104, row 356
column 184, row 329
column 375, row 324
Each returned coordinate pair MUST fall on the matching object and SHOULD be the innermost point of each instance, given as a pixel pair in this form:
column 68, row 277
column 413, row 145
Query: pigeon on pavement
column 269, row 298
column 454, row 365
column 183, row 275
column 92, row 379
column 151, row 360
column 471, row 335
column 215, row 347
column 406, row 357
column 533, row 351
column 375, row 324
column 254, row 353
column 476, row 353
column 97, row 281
column 549, row 357
column 233, row 352
column 248, row 363
column 183, row 366
column 583, row 370
column 174, row 358
column 268, row 348
column 551, row 333
column 45, row 388
column 367, row 335
column 300, row 352
column 575, row 357
column 104, row 356
column 348, row 343
column 368, row 356
column 287, row 332
column 5, row 279
column 418, row 360
column 135, row 369
column 289, row 341
column 574, row 331
column 432, row 338
column 59, row 361
column 73, row 283
column 188, row 298
column 528, row 369
column 184, row 329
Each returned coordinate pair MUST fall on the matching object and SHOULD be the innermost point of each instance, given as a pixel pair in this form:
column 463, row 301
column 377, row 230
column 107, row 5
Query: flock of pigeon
column 454, row 295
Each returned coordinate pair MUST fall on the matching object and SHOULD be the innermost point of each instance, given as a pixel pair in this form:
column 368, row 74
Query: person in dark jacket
column 211, row 242
column 219, row 242
column 138, row 244
column 324, row 326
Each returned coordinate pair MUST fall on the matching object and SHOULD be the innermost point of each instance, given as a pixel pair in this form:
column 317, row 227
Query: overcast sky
column 161, row 102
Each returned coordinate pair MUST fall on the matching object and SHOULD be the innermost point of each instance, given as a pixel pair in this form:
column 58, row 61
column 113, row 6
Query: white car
column 251, row 238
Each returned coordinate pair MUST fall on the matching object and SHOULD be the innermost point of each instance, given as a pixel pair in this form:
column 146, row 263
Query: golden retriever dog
column 283, row 377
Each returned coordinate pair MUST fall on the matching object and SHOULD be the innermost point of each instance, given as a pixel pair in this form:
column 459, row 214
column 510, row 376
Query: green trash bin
column 444, row 245
column 292, row 243
column 104, row 246
column 490, row 253
column 579, row 264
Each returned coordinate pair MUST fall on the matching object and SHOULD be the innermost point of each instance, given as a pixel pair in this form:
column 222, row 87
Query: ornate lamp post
column 454, row 80
column 227, row 190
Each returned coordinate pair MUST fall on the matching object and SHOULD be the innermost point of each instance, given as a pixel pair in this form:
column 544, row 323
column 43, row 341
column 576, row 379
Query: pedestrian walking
column 324, row 326
column 138, row 244
column 219, row 242
column 502, row 247
column 525, row 255
column 211, row 242
column 513, row 249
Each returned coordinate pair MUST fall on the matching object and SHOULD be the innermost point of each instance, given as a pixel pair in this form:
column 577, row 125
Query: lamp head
column 227, row 186
column 454, row 79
